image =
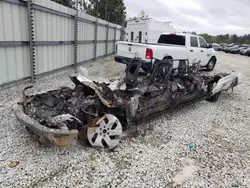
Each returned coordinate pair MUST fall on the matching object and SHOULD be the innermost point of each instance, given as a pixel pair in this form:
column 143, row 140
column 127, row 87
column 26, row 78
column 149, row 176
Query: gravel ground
column 160, row 158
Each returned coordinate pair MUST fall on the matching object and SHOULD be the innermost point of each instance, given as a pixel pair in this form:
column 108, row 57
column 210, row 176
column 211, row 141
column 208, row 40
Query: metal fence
column 40, row 36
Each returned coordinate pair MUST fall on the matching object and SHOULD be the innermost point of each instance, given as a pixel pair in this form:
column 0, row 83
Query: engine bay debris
column 98, row 113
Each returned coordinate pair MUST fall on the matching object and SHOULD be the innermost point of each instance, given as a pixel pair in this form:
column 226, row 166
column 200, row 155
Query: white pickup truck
column 171, row 46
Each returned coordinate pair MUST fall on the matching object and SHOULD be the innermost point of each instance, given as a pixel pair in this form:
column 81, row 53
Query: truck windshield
column 172, row 39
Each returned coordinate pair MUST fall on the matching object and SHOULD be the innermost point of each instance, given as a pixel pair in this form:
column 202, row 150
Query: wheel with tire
column 211, row 64
column 214, row 98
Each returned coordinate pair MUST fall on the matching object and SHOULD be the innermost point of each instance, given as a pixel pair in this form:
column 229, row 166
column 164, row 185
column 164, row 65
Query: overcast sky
column 211, row 16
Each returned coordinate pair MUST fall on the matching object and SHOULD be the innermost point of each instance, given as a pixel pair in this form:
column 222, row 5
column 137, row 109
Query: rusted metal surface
column 93, row 86
column 44, row 134
column 25, row 97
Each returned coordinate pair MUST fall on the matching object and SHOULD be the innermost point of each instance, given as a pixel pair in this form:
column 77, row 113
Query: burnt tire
column 211, row 64
column 214, row 98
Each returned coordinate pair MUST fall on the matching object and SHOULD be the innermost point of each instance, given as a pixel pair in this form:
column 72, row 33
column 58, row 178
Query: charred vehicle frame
column 99, row 113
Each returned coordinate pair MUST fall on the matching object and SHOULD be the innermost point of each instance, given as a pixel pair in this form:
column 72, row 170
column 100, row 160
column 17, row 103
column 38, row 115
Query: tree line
column 110, row 10
column 245, row 39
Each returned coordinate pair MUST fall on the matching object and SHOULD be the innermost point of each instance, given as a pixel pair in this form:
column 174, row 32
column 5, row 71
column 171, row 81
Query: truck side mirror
column 209, row 46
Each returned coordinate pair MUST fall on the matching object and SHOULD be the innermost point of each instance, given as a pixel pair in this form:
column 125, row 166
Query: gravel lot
column 160, row 158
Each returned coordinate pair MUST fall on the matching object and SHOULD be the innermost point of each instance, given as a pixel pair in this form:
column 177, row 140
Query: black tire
column 214, row 98
column 211, row 64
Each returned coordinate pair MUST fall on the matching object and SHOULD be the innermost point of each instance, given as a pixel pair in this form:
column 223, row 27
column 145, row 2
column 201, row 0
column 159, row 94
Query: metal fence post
column 96, row 32
column 31, row 40
column 107, row 38
column 115, row 38
column 76, row 41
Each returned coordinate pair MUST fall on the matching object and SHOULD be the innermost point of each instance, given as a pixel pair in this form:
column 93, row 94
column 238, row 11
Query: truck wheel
column 105, row 133
column 214, row 98
column 211, row 64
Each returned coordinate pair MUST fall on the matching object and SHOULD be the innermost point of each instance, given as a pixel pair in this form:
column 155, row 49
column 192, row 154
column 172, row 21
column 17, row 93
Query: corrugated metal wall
column 13, row 27
column 86, row 32
column 54, row 38
column 51, row 27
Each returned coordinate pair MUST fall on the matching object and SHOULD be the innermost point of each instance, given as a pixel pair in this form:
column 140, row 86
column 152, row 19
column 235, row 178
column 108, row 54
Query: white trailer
column 146, row 30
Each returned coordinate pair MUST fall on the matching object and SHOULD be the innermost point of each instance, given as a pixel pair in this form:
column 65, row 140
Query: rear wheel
column 211, row 64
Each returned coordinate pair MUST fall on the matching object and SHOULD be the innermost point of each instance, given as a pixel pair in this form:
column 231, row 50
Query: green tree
column 111, row 10
column 234, row 38
column 227, row 38
column 67, row 3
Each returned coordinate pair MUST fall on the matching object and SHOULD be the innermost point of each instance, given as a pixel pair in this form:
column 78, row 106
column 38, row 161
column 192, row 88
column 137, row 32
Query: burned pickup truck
column 98, row 113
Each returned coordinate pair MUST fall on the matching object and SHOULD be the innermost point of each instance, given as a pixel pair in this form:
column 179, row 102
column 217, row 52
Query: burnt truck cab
column 99, row 113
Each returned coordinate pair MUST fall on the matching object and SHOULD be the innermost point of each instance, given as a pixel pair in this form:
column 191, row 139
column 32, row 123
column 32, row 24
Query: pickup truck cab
column 169, row 46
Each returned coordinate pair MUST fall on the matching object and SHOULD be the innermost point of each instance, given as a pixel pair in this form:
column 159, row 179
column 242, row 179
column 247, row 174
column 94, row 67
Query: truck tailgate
column 127, row 49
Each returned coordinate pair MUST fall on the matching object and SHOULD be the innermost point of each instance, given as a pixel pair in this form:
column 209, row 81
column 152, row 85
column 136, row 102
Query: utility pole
column 97, row 10
column 106, row 9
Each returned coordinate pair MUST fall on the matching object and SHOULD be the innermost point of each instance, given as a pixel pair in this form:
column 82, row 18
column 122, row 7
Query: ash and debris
column 158, row 157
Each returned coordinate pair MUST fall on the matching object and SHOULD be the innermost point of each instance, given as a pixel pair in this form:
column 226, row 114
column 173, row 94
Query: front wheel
column 211, row 64
column 105, row 133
